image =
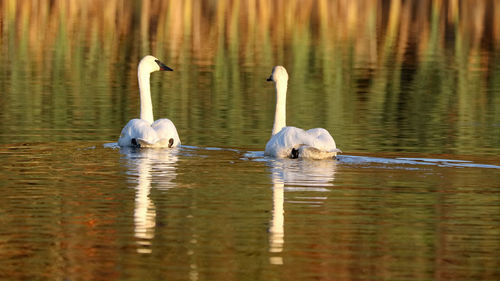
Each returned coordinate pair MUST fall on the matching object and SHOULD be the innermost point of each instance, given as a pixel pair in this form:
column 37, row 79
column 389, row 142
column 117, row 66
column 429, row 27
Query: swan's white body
column 145, row 132
column 291, row 141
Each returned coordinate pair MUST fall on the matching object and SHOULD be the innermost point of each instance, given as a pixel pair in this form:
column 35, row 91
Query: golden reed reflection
column 372, row 63
column 256, row 30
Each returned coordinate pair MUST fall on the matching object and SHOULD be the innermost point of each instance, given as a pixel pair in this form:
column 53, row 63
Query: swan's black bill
column 270, row 78
column 163, row 66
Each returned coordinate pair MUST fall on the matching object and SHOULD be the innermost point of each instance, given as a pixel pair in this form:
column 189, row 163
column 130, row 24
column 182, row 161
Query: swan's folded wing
column 165, row 129
column 137, row 129
column 281, row 144
column 321, row 139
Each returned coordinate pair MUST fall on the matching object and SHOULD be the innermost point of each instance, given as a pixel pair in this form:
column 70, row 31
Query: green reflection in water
column 411, row 76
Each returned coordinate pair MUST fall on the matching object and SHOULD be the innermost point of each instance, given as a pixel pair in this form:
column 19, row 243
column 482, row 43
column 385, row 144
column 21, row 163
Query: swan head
column 150, row 64
column 279, row 74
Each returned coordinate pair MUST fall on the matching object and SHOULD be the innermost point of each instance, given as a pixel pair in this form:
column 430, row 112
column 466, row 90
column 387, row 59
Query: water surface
column 78, row 211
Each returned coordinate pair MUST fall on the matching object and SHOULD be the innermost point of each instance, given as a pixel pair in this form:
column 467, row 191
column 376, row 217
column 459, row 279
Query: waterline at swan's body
column 294, row 142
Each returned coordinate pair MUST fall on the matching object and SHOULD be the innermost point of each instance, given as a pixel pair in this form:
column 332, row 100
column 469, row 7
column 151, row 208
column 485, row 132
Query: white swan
column 145, row 132
column 293, row 142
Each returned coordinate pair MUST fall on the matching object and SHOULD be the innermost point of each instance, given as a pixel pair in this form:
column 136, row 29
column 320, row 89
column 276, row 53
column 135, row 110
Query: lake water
column 410, row 90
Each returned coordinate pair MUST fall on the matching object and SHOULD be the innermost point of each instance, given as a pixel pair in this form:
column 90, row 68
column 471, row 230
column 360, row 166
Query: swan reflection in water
column 144, row 167
column 293, row 175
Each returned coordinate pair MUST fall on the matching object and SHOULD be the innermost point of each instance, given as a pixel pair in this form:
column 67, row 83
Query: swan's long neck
column 145, row 92
column 280, row 113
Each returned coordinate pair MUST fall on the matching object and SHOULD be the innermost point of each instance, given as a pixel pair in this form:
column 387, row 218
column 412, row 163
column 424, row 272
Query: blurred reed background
column 415, row 76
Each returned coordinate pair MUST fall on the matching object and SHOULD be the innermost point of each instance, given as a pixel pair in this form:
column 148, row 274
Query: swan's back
column 315, row 143
column 138, row 132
